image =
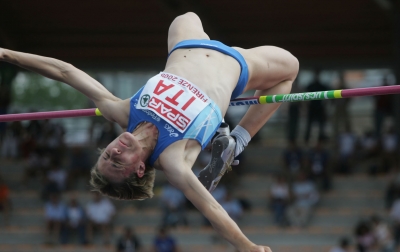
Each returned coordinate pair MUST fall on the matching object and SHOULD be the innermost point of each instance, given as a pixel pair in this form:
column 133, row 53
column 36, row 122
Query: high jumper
column 176, row 114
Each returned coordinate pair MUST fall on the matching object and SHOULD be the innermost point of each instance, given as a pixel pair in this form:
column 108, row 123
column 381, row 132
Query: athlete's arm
column 187, row 182
column 67, row 73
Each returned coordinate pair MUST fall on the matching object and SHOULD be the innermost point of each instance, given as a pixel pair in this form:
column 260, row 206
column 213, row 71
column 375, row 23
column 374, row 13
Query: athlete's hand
column 257, row 248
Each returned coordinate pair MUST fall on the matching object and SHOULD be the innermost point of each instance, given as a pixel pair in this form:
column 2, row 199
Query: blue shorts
column 220, row 47
column 205, row 125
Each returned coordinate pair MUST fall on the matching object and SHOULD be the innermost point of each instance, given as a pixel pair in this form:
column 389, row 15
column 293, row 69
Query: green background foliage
column 31, row 91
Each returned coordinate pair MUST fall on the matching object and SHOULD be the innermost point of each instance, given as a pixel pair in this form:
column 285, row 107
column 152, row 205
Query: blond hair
column 131, row 188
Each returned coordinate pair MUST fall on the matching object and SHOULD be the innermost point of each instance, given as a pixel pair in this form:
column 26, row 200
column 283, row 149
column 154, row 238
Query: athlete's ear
column 141, row 169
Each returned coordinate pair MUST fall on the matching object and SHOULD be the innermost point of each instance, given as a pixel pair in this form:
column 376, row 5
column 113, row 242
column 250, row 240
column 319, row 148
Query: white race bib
column 174, row 99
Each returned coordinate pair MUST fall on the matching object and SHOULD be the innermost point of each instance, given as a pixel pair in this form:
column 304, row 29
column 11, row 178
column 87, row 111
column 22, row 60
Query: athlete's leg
column 258, row 115
column 272, row 71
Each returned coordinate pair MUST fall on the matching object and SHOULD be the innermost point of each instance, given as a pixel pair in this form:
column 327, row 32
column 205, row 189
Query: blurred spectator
column 305, row 196
column 395, row 217
column 365, row 239
column 344, row 246
column 5, row 202
column 49, row 188
column 369, row 151
column 316, row 109
column 107, row 135
column 173, row 205
column 293, row 159
column 318, row 164
column 37, row 166
column 392, row 191
column 232, row 206
column 369, row 145
column 57, row 175
column 35, row 128
column 347, row 145
column 341, row 117
column 80, row 165
column 389, row 155
column 28, row 144
column 47, row 126
column 383, row 235
column 55, row 216
column 75, row 222
column 128, row 242
column 279, row 199
column 100, row 213
column 164, row 242
column 383, row 108
column 53, row 139
column 12, row 140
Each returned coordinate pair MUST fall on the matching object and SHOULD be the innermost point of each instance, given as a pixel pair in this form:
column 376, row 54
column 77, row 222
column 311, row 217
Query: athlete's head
column 120, row 171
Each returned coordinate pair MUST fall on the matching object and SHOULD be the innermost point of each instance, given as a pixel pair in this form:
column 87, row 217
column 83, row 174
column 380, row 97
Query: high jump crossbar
column 279, row 98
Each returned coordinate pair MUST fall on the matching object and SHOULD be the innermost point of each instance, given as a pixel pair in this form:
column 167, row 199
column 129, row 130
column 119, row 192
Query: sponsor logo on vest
column 171, row 130
column 169, row 113
column 144, row 100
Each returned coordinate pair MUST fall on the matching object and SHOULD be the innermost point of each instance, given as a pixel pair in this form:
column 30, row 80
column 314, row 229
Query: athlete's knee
column 290, row 63
column 282, row 59
column 285, row 87
column 294, row 64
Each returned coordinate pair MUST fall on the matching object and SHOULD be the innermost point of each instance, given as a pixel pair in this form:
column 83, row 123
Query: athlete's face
column 121, row 158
